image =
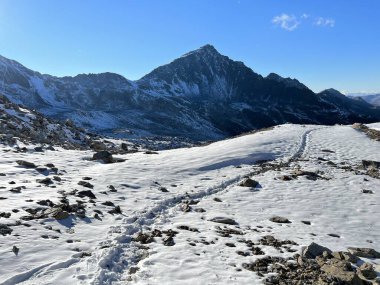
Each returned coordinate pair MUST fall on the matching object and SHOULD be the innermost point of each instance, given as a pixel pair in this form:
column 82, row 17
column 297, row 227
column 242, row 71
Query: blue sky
column 323, row 43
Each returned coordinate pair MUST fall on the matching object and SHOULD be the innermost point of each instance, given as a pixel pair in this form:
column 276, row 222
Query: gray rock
column 248, row 182
column 223, row 220
column 279, row 220
column 370, row 164
column 46, row 181
column 368, row 271
column 98, row 146
column 341, row 255
column 86, row 193
column 15, row 250
column 342, row 271
column 5, row 230
column 86, row 184
column 314, row 250
column 58, row 214
column 364, row 252
column 26, row 164
column 104, row 156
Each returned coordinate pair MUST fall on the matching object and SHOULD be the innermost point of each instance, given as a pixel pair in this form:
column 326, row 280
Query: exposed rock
column 98, row 146
column 341, row 255
column 364, row 252
column 116, row 210
column 280, row 220
column 38, row 149
column 26, row 164
column 143, row 238
column 370, row 164
column 5, row 230
column 15, row 250
column 163, row 189
column 223, row 220
column 46, row 181
column 365, row 191
column 85, row 184
column 86, row 193
column 104, row 156
column 314, row 250
column 341, row 271
column 367, row 270
column 285, row 178
column 168, row 241
column 248, row 182
column 187, row 228
column 60, row 214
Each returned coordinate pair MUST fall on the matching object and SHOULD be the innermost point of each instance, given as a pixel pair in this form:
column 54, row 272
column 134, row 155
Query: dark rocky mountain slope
column 202, row 95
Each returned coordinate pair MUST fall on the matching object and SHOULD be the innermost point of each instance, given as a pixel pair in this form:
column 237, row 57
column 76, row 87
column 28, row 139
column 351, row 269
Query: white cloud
column 305, row 16
column 324, row 22
column 286, row 22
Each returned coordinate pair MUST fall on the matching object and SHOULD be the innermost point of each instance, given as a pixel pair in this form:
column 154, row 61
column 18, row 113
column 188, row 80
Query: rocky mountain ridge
column 202, row 95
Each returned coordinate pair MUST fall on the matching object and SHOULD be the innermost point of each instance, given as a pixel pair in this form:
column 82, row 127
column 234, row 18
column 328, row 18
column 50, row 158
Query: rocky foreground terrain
column 295, row 204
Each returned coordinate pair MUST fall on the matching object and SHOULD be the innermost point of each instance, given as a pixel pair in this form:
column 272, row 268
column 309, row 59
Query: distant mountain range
column 202, row 95
column 373, row 99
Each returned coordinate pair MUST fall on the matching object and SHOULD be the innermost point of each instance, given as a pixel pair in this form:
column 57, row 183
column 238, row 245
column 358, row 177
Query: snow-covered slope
column 202, row 95
column 182, row 190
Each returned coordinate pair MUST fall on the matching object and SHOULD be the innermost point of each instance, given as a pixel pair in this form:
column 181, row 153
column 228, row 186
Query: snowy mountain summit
column 202, row 95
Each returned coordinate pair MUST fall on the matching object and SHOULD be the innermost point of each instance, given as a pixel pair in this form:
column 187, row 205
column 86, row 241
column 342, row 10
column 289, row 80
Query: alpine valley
column 202, row 95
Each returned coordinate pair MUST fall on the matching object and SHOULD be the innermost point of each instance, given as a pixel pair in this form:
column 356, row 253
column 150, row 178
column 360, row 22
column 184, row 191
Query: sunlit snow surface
column 334, row 206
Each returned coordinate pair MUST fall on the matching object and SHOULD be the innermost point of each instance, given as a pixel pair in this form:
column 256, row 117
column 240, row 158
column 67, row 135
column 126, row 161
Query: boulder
column 124, row 146
column 314, row 250
column 46, row 181
column 370, row 164
column 86, row 193
column 5, row 230
column 86, row 184
column 342, row 255
column 248, row 182
column 368, row 271
column 342, row 271
column 223, row 220
column 60, row 214
column 279, row 220
column 26, row 164
column 104, row 156
column 364, row 252
column 98, row 146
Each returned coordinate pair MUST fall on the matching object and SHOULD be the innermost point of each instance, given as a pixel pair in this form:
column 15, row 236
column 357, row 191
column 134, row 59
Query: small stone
column 15, row 250
column 86, row 184
column 365, row 191
column 280, row 220
column 26, row 164
column 169, row 241
column 223, row 220
column 248, row 182
column 46, row 181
